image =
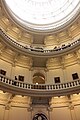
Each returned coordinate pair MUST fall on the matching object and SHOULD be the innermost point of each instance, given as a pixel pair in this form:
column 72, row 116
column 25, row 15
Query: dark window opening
column 21, row 78
column 57, row 79
column 3, row 72
column 75, row 76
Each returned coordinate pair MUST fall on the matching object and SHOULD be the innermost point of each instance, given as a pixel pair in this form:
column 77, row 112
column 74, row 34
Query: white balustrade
column 23, row 85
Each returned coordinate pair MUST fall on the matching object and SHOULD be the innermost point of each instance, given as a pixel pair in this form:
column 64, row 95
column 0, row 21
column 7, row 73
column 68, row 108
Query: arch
column 38, row 78
column 40, row 116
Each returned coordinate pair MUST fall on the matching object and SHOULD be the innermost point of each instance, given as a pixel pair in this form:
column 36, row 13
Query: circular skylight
column 43, row 14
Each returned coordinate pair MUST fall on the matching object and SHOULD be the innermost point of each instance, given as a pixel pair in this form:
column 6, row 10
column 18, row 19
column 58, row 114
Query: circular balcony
column 46, row 90
column 39, row 52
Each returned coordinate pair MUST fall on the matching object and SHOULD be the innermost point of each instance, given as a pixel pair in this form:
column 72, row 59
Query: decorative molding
column 7, row 107
column 50, row 109
column 30, row 109
column 71, row 106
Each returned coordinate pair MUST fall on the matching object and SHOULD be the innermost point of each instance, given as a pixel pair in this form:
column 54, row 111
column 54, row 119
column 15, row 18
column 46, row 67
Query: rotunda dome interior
column 43, row 15
column 40, row 59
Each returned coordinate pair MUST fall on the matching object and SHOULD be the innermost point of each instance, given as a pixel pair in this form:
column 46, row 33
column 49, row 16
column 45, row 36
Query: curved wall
column 54, row 69
column 18, row 107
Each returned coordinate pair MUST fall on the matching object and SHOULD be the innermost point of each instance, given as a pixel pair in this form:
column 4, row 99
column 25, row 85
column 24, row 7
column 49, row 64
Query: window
column 38, row 78
column 21, row 78
column 3, row 72
column 57, row 79
column 75, row 76
column 15, row 77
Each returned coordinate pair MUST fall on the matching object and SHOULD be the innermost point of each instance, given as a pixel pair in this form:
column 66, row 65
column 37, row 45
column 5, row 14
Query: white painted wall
column 64, row 74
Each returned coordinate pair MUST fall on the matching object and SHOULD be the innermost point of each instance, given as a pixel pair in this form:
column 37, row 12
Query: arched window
column 40, row 116
column 38, row 78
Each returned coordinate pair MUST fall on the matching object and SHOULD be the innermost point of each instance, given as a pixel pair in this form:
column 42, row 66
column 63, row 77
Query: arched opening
column 38, row 78
column 40, row 116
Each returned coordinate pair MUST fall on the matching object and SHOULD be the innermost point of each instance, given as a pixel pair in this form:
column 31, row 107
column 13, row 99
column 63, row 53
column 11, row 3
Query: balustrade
column 24, row 85
column 30, row 49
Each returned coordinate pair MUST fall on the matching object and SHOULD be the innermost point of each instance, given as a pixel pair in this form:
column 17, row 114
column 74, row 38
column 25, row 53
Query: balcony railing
column 41, row 52
column 40, row 88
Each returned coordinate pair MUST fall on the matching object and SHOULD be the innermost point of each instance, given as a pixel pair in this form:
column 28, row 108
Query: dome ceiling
column 43, row 15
